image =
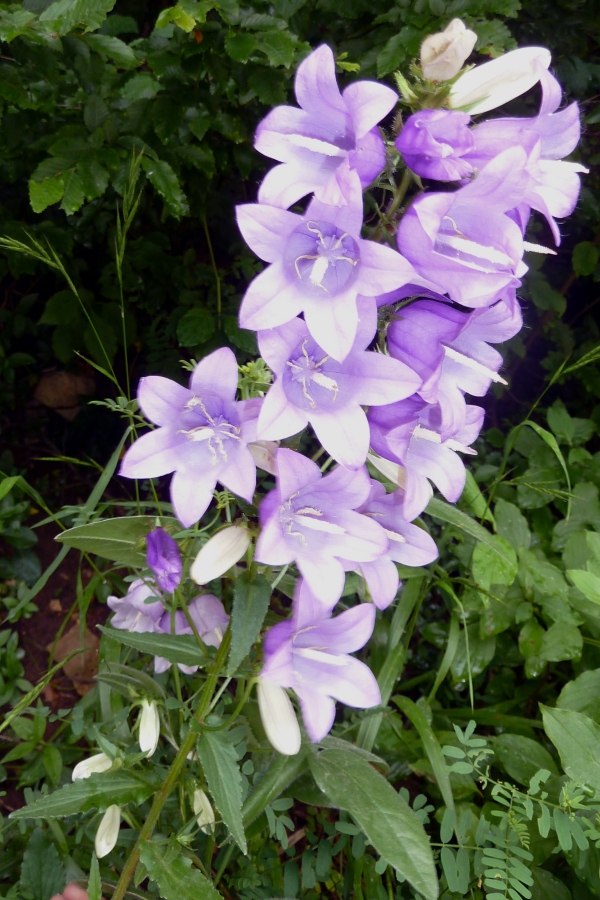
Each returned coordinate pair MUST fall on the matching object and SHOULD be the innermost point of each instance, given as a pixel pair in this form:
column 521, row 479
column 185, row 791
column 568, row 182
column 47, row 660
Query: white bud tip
column 100, row 762
column 220, row 553
column 278, row 717
column 108, row 831
column 149, row 732
column 203, row 811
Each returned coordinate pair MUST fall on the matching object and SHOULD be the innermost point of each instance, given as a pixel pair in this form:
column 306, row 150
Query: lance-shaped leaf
column 121, row 540
column 174, row 875
column 219, row 763
column 250, row 603
column 177, row 648
column 95, row 792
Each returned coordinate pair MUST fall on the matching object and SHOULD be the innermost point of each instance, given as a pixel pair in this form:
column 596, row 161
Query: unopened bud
column 263, row 454
column 108, row 831
column 205, row 816
column 496, row 82
column 220, row 553
column 164, row 559
column 278, row 717
column 443, row 54
column 98, row 763
column 149, row 727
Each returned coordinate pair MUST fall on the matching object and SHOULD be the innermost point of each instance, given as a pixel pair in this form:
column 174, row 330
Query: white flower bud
column 496, row 82
column 203, row 811
column 390, row 470
column 278, row 717
column 443, row 54
column 263, row 454
column 220, row 553
column 98, row 763
column 108, row 831
column 149, row 732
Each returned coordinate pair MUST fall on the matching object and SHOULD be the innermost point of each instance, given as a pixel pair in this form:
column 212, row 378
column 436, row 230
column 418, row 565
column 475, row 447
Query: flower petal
column 217, row 374
column 368, row 102
column 191, row 496
column 278, row 417
column 318, row 713
column 344, row 434
column 154, row 454
column 270, row 300
column 266, row 229
column 161, row 399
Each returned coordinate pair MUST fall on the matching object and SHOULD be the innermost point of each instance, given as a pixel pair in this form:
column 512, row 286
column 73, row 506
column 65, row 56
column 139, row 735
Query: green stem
column 214, row 266
column 174, row 772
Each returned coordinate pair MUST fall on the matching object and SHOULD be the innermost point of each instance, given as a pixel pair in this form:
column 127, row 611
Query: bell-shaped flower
column 409, row 544
column 205, row 814
column 449, row 349
column 463, row 240
column 100, row 762
column 310, row 654
column 329, row 129
column 164, row 559
column 311, row 387
column 310, row 519
column 278, row 717
column 108, row 831
column 497, row 82
column 202, row 437
column 220, row 553
column 210, row 620
column 319, row 265
column 140, row 609
column 409, row 433
column 149, row 727
column 443, row 54
column 433, row 143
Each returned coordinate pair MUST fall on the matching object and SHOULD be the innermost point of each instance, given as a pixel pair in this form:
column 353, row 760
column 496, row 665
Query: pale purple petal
column 345, row 633
column 333, row 323
column 217, row 373
column 266, row 228
column 382, row 580
column 271, row 546
column 239, row 476
column 368, row 102
column 325, row 579
column 294, row 471
column 318, row 712
column 382, row 269
column 270, row 300
column 153, row 454
column 161, row 399
column 278, row 418
column 191, row 496
column 344, row 434
column 164, row 559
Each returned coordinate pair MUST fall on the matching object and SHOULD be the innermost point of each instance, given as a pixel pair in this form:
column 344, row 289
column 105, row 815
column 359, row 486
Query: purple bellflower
column 329, row 129
column 210, row 619
column 409, row 544
column 310, row 519
column 312, row 387
column 463, row 240
column 449, row 349
column 409, row 433
column 553, row 186
column 164, row 559
column 140, row 609
column 433, row 143
column 202, row 437
column 319, row 265
column 309, row 653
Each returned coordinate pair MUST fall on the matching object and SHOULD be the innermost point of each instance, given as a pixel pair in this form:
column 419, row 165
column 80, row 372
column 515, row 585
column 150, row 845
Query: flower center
column 305, row 381
column 210, row 423
column 300, row 521
column 322, row 258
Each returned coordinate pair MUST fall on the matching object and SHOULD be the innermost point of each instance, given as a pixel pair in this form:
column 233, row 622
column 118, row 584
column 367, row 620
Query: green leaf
column 240, row 337
column 561, row 641
column 585, row 258
column 582, row 695
column 195, row 327
column 240, row 46
column 587, row 583
column 42, row 872
column 73, row 195
column 94, row 885
column 178, row 16
column 430, row 745
column 577, row 738
column 472, row 656
column 132, row 683
column 13, row 24
column 393, row 55
column 65, row 15
column 549, row 438
column 174, row 875
column 385, row 818
column 122, row 540
column 165, row 181
column 439, row 509
column 219, row 763
column 279, row 46
column 117, row 50
column 522, row 757
column 95, row 112
column 512, row 525
column 494, row 562
column 251, row 597
column 96, row 792
column 177, row 648
column 547, row 887
column 43, row 194
column 53, row 763
column 141, row 86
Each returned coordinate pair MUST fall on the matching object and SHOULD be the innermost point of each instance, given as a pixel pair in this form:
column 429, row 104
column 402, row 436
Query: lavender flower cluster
column 451, row 285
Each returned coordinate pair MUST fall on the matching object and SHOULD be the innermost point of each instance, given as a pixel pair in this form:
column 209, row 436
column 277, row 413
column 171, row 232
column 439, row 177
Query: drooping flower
column 210, row 619
column 329, row 129
column 409, row 544
column 310, row 654
column 100, row 762
column 443, row 54
column 140, row 609
column 319, row 265
column 312, row 387
column 433, row 143
column 495, row 83
column 149, row 727
column 278, row 717
column 108, row 831
column 464, row 240
column 311, row 519
column 409, row 433
column 449, row 350
column 164, row 559
column 205, row 814
column 202, row 437
column 220, row 553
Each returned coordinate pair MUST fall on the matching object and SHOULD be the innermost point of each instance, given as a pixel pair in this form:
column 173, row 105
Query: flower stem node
column 278, row 717
column 149, row 732
column 108, row 831
column 220, row 553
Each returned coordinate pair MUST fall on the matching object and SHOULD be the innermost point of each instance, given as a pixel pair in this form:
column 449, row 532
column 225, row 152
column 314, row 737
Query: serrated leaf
column 95, row 112
column 219, row 764
column 165, row 181
column 141, row 86
column 14, row 23
column 99, row 791
column 121, row 540
column 114, row 48
column 64, row 16
column 279, row 46
column 494, row 562
column 251, row 597
column 195, row 327
column 384, row 817
column 240, row 46
column 43, row 194
column 42, row 871
column 174, row 875
column 73, row 196
column 177, row 648
column 177, row 16
column 577, row 738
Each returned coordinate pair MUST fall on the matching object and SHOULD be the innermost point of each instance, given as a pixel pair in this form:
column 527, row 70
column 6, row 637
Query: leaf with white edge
column 577, row 738
column 177, row 648
column 99, row 791
column 174, row 875
column 439, row 509
column 163, row 179
column 385, row 818
column 251, row 597
column 494, row 562
column 42, row 872
column 219, row 763
column 121, row 540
